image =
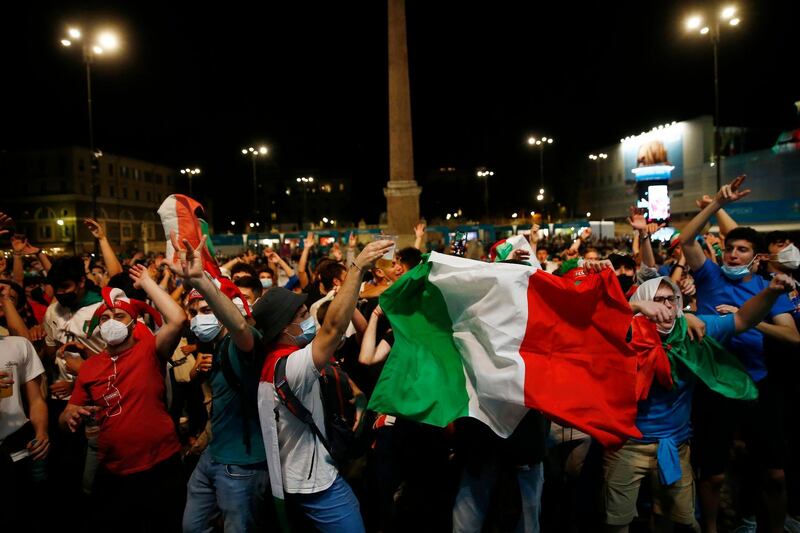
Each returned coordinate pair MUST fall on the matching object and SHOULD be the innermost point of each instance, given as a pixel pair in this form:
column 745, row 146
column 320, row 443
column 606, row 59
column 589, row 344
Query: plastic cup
column 6, row 391
column 386, row 259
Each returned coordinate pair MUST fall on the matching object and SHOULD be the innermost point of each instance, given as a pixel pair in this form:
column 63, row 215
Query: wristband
column 678, row 266
column 353, row 264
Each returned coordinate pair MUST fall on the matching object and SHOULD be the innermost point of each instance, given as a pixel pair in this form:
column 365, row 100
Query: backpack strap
column 234, row 383
column 293, row 404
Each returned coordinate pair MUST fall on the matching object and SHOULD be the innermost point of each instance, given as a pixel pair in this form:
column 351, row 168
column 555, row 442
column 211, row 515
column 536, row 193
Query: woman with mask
column 121, row 392
column 660, row 332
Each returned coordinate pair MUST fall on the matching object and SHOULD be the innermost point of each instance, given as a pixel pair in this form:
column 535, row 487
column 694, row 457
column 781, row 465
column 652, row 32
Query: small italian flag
column 492, row 340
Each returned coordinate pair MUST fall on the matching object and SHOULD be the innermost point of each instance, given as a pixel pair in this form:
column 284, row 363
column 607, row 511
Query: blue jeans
column 334, row 510
column 474, row 494
column 235, row 491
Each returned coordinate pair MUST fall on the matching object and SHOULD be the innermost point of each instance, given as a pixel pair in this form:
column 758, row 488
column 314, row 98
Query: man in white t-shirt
column 23, row 437
column 306, row 471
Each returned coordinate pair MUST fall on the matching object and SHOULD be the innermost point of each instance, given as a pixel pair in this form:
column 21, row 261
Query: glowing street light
column 105, row 41
column 540, row 142
column 190, row 173
column 485, row 174
column 727, row 14
column 254, row 154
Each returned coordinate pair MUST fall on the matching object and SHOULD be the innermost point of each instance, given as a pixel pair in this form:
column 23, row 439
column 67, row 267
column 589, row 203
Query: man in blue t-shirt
column 723, row 289
column 230, row 478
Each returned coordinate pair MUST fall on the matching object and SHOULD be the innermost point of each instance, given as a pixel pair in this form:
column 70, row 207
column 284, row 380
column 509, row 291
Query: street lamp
column 484, row 174
column 727, row 15
column 190, row 173
column 254, row 154
column 305, row 181
column 104, row 41
column 540, row 143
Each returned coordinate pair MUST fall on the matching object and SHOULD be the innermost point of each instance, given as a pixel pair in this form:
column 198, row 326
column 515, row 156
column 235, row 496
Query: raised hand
column 520, row 255
column 419, row 230
column 372, row 252
column 352, row 241
column 782, row 283
column 637, row 220
column 585, row 234
column 190, row 264
column 95, row 228
column 5, row 223
column 732, row 191
column 597, row 266
column 140, row 276
column 534, row 235
column 20, row 245
column 703, row 201
column 308, row 242
column 695, row 328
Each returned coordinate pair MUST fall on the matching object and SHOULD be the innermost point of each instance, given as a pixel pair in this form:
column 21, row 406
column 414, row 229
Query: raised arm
column 644, row 230
column 754, row 310
column 169, row 335
column 276, row 259
column 190, row 269
column 20, row 248
column 341, row 309
column 691, row 248
column 726, row 222
column 110, row 258
column 302, row 272
column 373, row 352
column 419, row 236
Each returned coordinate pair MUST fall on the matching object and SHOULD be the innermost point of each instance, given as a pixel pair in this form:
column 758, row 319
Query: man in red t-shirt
column 121, row 390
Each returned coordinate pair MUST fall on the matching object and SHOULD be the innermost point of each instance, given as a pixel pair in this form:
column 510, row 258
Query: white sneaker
column 747, row 525
column 791, row 524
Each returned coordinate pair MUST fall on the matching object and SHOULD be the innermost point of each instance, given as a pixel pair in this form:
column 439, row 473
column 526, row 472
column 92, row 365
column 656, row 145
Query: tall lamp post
column 305, row 181
column 727, row 16
column 540, row 143
column 104, row 42
column 190, row 173
column 484, row 175
column 254, row 154
column 597, row 158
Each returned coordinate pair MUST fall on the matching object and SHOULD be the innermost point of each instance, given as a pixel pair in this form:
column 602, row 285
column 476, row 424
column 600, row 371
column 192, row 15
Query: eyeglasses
column 662, row 299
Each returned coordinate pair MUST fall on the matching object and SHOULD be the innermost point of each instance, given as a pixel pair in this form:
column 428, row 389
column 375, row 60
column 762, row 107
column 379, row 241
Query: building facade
column 48, row 192
column 611, row 185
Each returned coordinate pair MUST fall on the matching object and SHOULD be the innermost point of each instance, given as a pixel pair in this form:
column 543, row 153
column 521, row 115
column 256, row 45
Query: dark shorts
column 760, row 424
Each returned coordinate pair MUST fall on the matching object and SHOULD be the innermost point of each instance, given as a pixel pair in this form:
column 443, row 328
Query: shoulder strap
column 293, row 404
column 234, row 383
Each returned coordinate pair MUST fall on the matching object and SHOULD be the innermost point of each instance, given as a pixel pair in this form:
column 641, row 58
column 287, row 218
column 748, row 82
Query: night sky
column 193, row 85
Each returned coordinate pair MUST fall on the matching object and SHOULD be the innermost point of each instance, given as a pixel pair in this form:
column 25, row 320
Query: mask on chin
column 737, row 272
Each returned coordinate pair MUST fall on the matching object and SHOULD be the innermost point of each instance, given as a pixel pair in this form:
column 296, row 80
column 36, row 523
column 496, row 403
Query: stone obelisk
column 402, row 192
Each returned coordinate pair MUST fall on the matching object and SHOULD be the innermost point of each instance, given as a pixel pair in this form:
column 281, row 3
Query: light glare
column 693, row 23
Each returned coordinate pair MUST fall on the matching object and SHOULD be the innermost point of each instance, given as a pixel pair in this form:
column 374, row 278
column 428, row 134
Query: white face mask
column 114, row 332
column 789, row 257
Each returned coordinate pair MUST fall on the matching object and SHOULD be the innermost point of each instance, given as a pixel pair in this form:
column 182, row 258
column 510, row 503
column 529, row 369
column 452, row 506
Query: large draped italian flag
column 491, row 340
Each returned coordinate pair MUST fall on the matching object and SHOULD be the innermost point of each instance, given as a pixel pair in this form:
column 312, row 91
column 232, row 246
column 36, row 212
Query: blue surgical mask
column 309, row 327
column 205, row 327
column 266, row 283
column 735, row 273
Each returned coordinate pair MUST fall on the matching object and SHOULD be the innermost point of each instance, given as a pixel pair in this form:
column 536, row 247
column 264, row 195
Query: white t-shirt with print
column 62, row 325
column 18, row 358
column 306, row 465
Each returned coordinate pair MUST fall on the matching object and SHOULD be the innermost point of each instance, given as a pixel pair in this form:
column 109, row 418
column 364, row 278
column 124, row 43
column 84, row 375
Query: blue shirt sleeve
column 719, row 327
column 782, row 305
column 293, row 282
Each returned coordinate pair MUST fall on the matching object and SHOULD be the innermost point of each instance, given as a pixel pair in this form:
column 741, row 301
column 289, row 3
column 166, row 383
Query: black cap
column 275, row 310
column 622, row 260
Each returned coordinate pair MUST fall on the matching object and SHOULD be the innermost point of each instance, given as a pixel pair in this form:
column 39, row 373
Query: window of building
column 126, row 231
column 125, row 193
column 111, row 191
column 149, row 197
column 159, row 179
column 136, row 194
column 45, row 232
column 341, row 187
column 123, row 170
column 44, row 213
column 148, row 176
column 111, row 169
column 136, row 174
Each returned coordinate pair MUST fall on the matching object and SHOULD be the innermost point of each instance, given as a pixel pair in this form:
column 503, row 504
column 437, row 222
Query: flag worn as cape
column 493, row 340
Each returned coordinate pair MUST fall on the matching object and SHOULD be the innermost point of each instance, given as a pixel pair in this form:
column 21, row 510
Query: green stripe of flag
column 417, row 310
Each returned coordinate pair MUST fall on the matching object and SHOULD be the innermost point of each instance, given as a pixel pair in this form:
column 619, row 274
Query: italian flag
column 492, row 340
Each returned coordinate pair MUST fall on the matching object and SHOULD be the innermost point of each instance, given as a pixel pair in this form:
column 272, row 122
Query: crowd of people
column 149, row 392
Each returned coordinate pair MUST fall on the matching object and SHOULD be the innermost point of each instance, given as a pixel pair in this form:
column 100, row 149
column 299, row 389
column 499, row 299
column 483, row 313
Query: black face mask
column 626, row 282
column 68, row 299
